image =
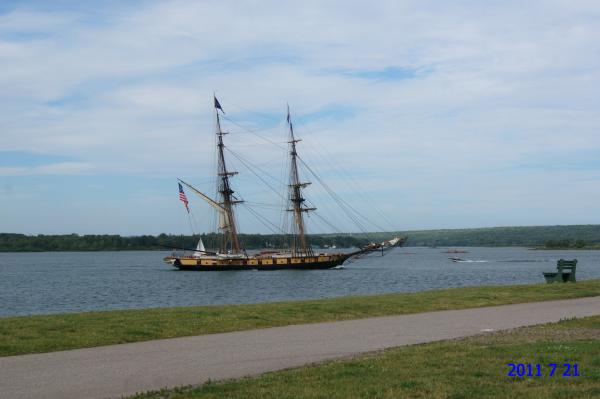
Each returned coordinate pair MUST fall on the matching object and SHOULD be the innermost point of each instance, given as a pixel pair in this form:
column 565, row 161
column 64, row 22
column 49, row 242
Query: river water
column 59, row 282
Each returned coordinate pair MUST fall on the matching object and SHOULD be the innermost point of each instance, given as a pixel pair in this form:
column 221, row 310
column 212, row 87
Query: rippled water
column 57, row 282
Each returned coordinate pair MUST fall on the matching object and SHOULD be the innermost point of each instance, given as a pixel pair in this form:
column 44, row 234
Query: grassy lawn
column 473, row 367
column 35, row 334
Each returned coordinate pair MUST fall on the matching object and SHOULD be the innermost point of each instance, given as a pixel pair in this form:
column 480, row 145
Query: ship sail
column 199, row 248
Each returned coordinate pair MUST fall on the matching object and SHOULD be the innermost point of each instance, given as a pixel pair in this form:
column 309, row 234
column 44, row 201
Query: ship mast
column 299, row 245
column 227, row 222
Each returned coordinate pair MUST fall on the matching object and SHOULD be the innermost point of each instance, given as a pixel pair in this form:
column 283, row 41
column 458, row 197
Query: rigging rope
column 245, row 163
column 354, row 215
column 347, row 208
column 254, row 133
column 265, row 222
column 358, row 189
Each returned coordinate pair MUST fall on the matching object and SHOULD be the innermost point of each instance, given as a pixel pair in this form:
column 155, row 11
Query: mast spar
column 228, row 225
column 299, row 245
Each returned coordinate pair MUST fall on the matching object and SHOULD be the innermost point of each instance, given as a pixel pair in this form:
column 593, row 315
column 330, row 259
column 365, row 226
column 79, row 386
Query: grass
column 36, row 334
column 473, row 367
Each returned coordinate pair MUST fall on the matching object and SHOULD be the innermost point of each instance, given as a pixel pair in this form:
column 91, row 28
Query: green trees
column 72, row 242
column 575, row 236
column 572, row 236
column 558, row 244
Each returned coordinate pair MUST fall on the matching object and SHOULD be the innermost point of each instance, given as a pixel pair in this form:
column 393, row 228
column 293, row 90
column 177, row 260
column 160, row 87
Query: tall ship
column 230, row 254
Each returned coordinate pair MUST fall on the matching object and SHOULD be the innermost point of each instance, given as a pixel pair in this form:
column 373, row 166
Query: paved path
column 112, row 371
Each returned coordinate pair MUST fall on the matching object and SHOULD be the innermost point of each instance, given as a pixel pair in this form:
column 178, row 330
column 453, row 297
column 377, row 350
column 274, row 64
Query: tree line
column 571, row 236
column 560, row 244
column 10, row 242
column 528, row 236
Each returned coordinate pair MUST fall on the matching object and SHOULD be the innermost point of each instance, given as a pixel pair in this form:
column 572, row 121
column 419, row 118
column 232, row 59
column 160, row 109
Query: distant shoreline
column 254, row 249
column 595, row 248
column 569, row 237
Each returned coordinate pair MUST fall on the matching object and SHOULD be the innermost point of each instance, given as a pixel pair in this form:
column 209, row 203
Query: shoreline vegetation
column 566, row 237
column 568, row 245
column 47, row 333
column 472, row 367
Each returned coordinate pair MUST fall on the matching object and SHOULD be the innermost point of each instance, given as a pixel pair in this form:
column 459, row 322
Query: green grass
column 35, row 334
column 473, row 367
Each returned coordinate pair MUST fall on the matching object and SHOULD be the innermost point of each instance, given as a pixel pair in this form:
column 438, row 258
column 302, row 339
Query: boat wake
column 458, row 260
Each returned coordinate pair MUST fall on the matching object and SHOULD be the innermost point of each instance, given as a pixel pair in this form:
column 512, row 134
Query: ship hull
column 314, row 263
column 277, row 261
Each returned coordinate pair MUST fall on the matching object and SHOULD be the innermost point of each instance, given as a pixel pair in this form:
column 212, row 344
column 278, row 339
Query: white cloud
column 28, row 22
column 59, row 168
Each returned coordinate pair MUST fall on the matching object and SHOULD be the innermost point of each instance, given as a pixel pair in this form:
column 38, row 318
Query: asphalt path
column 117, row 370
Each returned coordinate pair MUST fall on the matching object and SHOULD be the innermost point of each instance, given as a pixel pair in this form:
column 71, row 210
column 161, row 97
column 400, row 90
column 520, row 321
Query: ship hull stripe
column 289, row 266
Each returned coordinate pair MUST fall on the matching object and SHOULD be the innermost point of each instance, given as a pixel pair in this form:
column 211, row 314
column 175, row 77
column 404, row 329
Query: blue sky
column 422, row 114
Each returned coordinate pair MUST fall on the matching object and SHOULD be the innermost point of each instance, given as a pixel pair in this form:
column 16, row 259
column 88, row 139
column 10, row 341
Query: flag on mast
column 218, row 105
column 183, row 197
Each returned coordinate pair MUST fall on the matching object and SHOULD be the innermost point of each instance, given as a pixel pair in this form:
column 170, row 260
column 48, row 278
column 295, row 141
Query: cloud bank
column 447, row 115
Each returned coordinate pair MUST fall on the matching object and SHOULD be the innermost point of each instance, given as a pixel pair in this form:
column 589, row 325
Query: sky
column 418, row 114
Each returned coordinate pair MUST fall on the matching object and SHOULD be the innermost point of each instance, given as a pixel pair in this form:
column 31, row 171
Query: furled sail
column 223, row 221
column 223, row 216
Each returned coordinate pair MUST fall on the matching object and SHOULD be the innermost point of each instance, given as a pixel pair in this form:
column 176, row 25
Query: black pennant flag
column 217, row 105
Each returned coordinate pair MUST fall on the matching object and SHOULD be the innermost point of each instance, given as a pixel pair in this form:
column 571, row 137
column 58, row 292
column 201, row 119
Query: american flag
column 183, row 198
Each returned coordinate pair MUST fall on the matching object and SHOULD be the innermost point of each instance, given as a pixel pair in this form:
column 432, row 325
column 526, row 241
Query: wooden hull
column 306, row 263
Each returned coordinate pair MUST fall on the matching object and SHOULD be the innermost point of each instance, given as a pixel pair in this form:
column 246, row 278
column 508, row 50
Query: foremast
column 299, row 244
column 227, row 222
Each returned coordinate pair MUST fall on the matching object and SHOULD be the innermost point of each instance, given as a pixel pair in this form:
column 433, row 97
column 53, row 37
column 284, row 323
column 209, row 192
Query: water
column 58, row 282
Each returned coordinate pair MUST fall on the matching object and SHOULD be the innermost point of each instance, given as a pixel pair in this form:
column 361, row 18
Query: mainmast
column 227, row 219
column 299, row 245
